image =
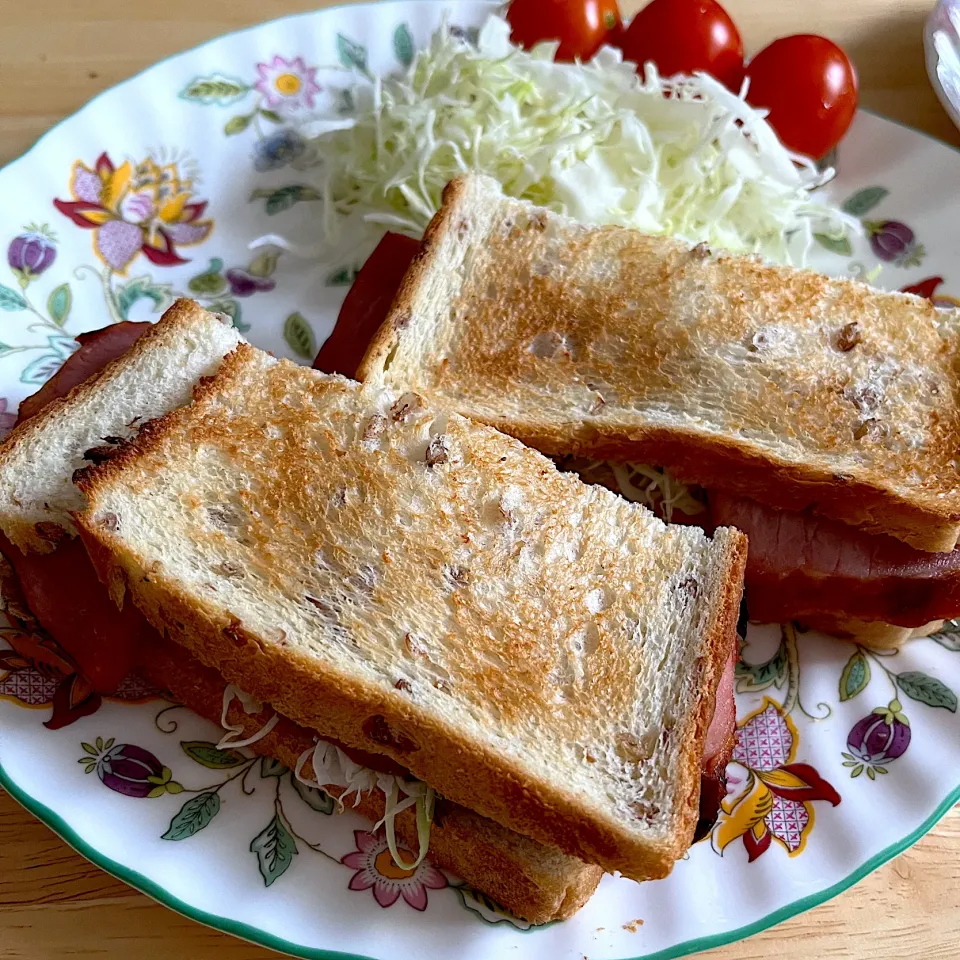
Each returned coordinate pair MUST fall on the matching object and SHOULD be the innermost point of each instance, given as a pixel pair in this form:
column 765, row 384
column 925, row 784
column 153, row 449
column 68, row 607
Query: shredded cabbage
column 332, row 766
column 682, row 156
column 653, row 487
column 250, row 706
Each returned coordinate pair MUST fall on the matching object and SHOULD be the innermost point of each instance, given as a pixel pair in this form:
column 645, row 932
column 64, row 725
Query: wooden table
column 55, row 55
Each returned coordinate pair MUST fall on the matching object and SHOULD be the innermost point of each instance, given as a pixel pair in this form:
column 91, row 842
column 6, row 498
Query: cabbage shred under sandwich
column 332, row 766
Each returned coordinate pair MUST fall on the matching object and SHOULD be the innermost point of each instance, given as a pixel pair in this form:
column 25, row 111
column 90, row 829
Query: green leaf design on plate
column 839, row 245
column 272, row 768
column 855, row 676
column 47, row 364
column 11, row 300
column 263, row 264
column 760, row 676
column 217, row 88
column 271, row 115
column 284, row 198
column 275, row 849
column 299, row 336
column 487, row 909
column 318, row 800
column 341, row 277
column 59, row 303
column 210, row 282
column 207, row 755
column 863, row 201
column 232, row 309
column 236, row 124
column 403, row 44
column 926, row 689
column 143, row 288
column 352, row 54
column 193, row 816
column 948, row 636
column 88, row 748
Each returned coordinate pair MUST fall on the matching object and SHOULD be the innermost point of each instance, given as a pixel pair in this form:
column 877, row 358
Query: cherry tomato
column 681, row 36
column 581, row 26
column 810, row 87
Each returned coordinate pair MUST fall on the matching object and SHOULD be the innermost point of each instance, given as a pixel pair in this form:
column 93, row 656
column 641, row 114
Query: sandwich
column 408, row 601
column 817, row 415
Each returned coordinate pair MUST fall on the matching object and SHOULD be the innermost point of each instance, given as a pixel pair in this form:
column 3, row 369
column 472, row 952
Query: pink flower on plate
column 776, row 801
column 287, row 84
column 135, row 208
column 375, row 868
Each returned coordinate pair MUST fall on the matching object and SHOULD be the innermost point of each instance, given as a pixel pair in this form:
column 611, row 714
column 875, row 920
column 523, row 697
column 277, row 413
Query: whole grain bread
column 532, row 880
column 405, row 581
column 779, row 384
column 38, row 459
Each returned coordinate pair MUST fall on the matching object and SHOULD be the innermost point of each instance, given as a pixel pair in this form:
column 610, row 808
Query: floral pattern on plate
column 64, row 274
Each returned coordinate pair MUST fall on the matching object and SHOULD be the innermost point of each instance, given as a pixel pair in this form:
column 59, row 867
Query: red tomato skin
column 685, row 36
column 809, row 86
column 581, row 26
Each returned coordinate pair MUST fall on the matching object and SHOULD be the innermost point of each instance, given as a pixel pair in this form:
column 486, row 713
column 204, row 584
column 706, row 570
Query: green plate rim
column 255, row 935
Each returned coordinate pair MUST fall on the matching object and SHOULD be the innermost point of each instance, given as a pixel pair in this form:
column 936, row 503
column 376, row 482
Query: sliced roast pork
column 800, row 565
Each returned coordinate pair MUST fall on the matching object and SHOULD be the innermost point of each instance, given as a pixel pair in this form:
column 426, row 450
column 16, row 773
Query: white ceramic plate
column 845, row 757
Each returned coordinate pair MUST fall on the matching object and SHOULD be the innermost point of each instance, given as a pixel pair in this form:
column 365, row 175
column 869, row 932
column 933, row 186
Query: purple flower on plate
column 128, row 769
column 246, row 284
column 278, row 150
column 894, row 242
column 877, row 739
column 287, row 84
column 30, row 253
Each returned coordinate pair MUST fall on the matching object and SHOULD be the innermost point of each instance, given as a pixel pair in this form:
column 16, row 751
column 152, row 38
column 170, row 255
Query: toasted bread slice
column 783, row 385
column 400, row 579
column 532, row 880
column 157, row 374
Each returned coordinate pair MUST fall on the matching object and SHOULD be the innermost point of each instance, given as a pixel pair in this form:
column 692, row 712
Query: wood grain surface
column 54, row 56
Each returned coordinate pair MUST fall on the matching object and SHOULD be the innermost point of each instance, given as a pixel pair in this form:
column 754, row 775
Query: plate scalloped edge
column 254, row 935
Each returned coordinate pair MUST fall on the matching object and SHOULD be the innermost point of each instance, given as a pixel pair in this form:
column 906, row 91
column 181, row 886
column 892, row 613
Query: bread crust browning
column 721, row 642
column 866, row 434
column 341, row 705
column 23, row 531
column 532, row 881
column 342, row 709
column 720, row 463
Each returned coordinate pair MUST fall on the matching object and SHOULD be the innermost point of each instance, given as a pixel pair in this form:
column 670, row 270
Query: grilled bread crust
column 532, row 880
column 783, row 385
column 405, row 581
column 155, row 375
